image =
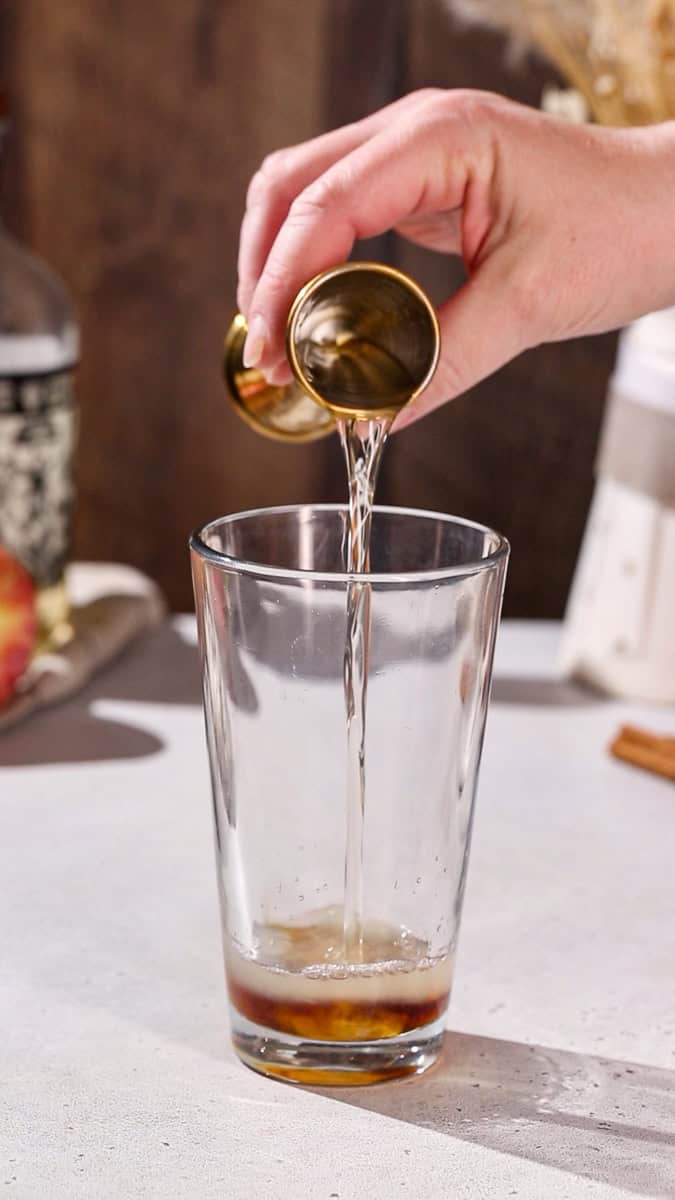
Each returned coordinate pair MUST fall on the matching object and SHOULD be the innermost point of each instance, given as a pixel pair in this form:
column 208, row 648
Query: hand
column 564, row 230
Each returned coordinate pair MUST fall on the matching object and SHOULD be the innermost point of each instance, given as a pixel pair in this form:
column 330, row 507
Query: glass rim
column 245, row 566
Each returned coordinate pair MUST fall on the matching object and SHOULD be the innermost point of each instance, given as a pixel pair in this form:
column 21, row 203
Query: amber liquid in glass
column 304, row 987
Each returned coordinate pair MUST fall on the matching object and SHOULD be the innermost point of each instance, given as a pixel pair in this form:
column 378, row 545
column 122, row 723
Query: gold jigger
column 286, row 413
column 362, row 340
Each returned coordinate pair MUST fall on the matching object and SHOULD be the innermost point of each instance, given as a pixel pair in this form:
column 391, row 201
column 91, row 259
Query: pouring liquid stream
column 363, row 442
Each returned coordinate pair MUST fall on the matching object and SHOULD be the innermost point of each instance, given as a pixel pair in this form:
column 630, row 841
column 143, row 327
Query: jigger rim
column 349, row 268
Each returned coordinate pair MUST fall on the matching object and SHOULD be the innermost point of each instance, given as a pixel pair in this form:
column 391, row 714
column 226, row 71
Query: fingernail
column 256, row 340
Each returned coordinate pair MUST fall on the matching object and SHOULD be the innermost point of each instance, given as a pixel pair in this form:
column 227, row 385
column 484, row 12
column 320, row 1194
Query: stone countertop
column 558, row 1078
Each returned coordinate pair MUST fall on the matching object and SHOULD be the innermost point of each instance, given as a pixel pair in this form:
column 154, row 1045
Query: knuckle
column 269, row 177
column 274, row 163
column 440, row 111
column 317, row 200
column 427, row 95
column 465, row 105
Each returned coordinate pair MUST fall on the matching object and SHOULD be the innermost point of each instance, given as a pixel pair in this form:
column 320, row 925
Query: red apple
column 18, row 622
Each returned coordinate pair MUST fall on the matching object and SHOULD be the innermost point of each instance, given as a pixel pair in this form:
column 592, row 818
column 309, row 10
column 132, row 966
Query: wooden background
column 137, row 127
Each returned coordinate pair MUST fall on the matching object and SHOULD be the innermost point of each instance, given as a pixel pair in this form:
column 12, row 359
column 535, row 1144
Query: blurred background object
column 138, row 128
column 38, row 353
column 618, row 56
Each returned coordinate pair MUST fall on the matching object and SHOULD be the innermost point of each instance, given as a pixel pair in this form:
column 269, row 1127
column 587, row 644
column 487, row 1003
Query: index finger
column 397, row 173
column 286, row 173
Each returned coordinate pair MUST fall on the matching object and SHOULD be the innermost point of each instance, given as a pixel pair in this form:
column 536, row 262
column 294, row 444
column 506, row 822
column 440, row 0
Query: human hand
column 564, row 230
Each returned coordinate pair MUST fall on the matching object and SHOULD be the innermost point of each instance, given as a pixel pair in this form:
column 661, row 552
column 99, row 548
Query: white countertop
column 118, row 1081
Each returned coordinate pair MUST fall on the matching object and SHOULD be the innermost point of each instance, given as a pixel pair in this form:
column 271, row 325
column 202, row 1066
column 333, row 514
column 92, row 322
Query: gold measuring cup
column 362, row 340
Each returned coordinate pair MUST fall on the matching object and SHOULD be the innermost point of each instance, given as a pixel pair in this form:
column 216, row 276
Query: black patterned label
column 37, row 443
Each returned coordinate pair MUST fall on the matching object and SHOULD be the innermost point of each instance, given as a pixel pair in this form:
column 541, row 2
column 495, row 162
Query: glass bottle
column 39, row 347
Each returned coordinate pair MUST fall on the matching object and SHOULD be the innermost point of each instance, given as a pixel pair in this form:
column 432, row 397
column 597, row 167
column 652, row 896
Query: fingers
column 281, row 178
column 286, row 173
column 398, row 173
column 490, row 320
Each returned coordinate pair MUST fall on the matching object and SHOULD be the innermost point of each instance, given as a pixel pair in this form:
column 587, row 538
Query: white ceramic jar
column 620, row 622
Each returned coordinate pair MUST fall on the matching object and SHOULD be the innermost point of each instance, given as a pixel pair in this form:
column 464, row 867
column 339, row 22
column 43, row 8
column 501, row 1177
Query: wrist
column 653, row 194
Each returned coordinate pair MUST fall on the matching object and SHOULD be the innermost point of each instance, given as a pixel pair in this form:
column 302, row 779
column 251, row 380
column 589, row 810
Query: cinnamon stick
column 647, row 750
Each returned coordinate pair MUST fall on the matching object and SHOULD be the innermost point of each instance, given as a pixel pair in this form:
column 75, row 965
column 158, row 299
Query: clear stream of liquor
column 362, row 444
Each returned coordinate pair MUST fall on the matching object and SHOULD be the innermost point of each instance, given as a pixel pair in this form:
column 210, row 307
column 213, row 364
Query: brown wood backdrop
column 137, row 128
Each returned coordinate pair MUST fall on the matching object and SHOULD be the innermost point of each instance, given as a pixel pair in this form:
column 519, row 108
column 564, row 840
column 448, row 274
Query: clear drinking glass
column 296, row 864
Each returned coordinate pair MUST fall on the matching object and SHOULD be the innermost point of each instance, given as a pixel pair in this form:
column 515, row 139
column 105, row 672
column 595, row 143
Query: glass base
column 335, row 1064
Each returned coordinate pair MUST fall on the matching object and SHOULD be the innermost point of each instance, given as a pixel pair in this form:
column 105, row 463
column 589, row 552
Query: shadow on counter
column 161, row 667
column 604, row 1120
column 543, row 692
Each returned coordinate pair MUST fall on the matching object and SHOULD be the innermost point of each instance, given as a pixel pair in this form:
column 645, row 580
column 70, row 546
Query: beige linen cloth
column 111, row 606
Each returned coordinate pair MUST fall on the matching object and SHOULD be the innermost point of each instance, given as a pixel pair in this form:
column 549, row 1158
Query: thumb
column 483, row 326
